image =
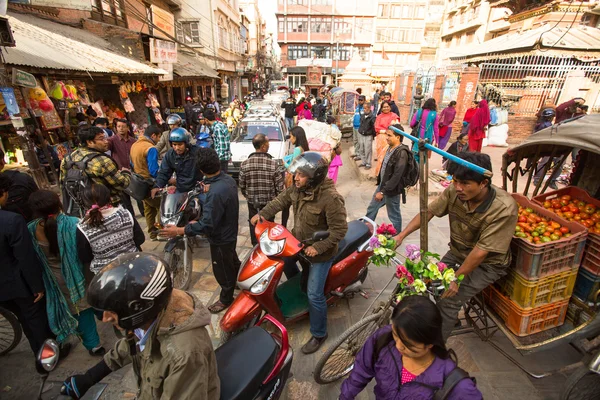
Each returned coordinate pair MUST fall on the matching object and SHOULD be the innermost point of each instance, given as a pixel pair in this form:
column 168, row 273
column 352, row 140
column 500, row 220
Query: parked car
column 268, row 123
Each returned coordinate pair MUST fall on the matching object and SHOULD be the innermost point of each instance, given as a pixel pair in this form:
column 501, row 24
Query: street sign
column 22, row 78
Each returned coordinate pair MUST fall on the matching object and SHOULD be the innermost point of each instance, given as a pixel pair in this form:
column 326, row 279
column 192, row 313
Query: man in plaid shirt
column 221, row 139
column 101, row 168
column 261, row 178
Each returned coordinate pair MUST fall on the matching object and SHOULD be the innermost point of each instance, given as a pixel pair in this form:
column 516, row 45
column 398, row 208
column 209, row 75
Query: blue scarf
column 61, row 322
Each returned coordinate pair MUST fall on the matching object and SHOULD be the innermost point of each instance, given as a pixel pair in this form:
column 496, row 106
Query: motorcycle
column 261, row 272
column 179, row 209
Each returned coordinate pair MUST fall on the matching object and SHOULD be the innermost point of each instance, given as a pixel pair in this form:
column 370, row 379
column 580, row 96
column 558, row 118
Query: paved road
column 497, row 377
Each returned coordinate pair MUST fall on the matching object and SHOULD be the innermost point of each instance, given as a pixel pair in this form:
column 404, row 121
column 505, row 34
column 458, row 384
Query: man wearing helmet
column 174, row 121
column 166, row 338
column 181, row 159
column 317, row 207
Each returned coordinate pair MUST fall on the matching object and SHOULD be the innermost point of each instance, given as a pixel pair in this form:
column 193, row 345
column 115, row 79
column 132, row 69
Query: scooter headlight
column 173, row 220
column 263, row 282
column 270, row 247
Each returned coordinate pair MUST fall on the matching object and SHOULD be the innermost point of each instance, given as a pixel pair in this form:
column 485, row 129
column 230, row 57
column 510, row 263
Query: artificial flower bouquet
column 383, row 245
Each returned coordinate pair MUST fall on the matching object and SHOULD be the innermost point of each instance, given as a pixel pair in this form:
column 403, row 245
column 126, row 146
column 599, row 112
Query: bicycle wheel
column 582, row 384
column 10, row 331
column 182, row 272
column 338, row 360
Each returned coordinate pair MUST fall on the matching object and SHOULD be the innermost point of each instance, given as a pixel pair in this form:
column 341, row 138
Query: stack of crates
column 587, row 286
column 534, row 296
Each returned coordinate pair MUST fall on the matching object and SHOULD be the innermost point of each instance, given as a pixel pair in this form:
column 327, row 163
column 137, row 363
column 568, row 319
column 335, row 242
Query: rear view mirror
column 287, row 137
column 319, row 236
column 47, row 357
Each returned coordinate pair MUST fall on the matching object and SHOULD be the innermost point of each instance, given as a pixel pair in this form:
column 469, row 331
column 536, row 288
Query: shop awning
column 581, row 42
column 188, row 66
column 55, row 46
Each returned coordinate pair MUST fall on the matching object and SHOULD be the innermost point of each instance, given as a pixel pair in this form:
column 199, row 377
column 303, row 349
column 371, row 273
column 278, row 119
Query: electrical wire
column 567, row 31
column 560, row 20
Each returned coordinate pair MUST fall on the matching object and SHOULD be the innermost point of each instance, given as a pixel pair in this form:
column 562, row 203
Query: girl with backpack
column 409, row 359
column 55, row 242
column 107, row 231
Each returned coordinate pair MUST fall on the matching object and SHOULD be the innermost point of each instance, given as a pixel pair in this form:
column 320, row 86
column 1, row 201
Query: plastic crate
column 538, row 292
column 535, row 261
column 591, row 263
column 587, row 285
column 579, row 312
column 523, row 322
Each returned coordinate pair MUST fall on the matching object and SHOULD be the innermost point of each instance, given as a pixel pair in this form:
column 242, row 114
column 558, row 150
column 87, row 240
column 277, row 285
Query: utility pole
column 337, row 57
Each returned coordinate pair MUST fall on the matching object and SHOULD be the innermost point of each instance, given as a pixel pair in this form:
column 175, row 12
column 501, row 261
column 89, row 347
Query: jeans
column 317, row 302
column 392, row 204
column 289, row 122
column 355, row 136
column 224, row 166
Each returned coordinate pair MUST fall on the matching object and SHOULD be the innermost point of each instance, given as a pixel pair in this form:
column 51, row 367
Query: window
column 320, row 51
column 364, row 53
column 420, row 12
column 407, row 11
column 320, row 25
column 396, row 11
column 223, row 38
column 364, row 26
column 380, row 35
column 109, row 11
column 188, row 32
column 297, row 2
column 345, row 53
column 320, row 2
column 383, row 10
column 297, row 24
column 342, row 25
column 281, row 25
column 297, row 51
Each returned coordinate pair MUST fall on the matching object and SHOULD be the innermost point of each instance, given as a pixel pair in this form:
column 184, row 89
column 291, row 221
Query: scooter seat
column 358, row 232
column 244, row 362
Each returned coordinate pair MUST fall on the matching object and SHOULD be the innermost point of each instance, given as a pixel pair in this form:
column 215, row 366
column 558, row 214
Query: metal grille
column 523, row 85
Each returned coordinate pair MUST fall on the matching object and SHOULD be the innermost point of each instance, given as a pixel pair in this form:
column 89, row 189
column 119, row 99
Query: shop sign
column 10, row 101
column 317, row 62
column 162, row 51
column 85, row 5
column 169, row 75
column 18, row 122
column 163, row 20
column 22, row 78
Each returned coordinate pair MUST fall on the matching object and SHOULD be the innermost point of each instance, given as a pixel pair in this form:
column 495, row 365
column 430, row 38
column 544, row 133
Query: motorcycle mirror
column 319, row 236
column 47, row 357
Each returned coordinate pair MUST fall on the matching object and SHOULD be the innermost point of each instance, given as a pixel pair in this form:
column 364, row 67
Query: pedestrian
column 221, row 139
column 298, row 139
column 376, row 101
column 412, row 344
column 166, row 337
column 318, row 110
column 21, row 282
column 261, row 178
column 468, row 117
column 482, row 223
column 305, row 113
column 366, row 132
column 219, row 223
column 174, row 121
column 389, row 179
column 44, row 162
column 54, row 237
column 428, row 125
column 106, row 231
column 478, row 126
column 215, row 104
column 446, row 119
column 569, row 109
column 383, row 121
column 548, row 105
column 103, row 124
column 317, row 207
column 99, row 168
column 119, row 146
column 300, row 105
column 187, row 108
column 336, row 163
column 290, row 111
column 387, row 97
column 356, row 120
column 460, row 146
column 232, row 115
column 144, row 160
column 22, row 187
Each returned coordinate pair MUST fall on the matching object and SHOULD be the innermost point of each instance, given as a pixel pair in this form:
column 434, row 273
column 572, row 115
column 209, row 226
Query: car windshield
column 246, row 130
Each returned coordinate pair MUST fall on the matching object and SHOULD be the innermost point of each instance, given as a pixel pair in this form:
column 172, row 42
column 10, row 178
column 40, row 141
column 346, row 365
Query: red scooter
column 261, row 272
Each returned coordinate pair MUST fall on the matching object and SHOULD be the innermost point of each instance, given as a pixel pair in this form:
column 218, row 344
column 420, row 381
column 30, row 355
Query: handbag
column 417, row 128
column 139, row 187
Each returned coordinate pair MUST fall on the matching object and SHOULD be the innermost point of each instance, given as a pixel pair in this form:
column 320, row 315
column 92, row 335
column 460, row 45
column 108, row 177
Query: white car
column 268, row 123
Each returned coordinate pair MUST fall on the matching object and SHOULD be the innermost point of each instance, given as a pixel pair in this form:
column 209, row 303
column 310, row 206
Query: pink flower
column 410, row 278
column 401, row 271
column 412, row 252
column 386, row 229
column 441, row 266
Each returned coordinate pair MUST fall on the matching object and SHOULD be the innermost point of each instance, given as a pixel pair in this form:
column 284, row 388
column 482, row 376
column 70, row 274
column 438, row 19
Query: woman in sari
column 478, row 126
column 383, row 121
column 446, row 118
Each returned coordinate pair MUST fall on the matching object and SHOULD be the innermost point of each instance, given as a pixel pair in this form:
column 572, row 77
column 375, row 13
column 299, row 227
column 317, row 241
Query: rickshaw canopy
column 344, row 100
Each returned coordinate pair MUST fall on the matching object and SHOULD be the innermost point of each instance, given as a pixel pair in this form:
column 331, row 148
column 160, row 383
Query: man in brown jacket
column 317, row 207
column 166, row 337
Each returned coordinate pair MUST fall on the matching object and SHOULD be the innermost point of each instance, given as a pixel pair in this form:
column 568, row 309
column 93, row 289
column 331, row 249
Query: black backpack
column 411, row 174
column 75, row 180
column 457, row 374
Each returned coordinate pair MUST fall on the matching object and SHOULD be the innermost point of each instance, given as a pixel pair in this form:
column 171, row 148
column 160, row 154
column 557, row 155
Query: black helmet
column 135, row 286
column 313, row 165
column 548, row 113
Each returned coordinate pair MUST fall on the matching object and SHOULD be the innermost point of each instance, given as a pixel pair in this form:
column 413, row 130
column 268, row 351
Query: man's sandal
column 217, row 307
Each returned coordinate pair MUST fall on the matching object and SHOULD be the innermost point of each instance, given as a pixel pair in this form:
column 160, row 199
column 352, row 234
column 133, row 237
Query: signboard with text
column 22, row 78
column 162, row 51
column 163, row 20
column 167, row 67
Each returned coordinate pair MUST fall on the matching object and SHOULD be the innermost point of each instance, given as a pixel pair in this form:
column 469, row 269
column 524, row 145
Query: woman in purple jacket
column 415, row 361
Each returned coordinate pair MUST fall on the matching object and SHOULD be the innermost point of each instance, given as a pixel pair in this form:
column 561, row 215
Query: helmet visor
column 301, row 164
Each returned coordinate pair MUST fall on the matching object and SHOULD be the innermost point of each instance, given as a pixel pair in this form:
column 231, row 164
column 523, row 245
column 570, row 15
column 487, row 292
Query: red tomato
column 574, row 210
column 564, row 229
column 566, row 197
column 522, row 219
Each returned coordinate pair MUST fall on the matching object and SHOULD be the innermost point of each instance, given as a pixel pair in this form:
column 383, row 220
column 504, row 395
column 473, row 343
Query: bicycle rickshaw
column 557, row 143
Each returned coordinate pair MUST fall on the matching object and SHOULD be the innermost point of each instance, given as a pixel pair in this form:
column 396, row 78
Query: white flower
column 419, row 286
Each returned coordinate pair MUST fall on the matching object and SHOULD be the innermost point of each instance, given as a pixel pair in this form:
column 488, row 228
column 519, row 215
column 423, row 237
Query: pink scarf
column 481, row 118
